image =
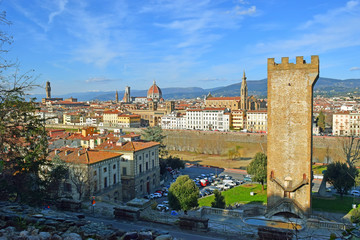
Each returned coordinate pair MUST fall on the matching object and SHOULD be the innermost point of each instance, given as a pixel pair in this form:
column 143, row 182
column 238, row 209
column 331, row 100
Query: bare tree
column 82, row 178
column 351, row 149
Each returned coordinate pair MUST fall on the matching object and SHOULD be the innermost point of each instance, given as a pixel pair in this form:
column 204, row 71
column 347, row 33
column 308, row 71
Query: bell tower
column 244, row 93
column 48, row 90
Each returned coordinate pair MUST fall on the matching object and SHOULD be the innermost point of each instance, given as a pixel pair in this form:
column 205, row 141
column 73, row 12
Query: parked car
column 247, row 179
column 157, row 195
column 204, row 183
column 355, row 193
column 162, row 207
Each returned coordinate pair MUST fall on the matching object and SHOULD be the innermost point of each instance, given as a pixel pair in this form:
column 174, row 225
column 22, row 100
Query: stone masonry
column 289, row 140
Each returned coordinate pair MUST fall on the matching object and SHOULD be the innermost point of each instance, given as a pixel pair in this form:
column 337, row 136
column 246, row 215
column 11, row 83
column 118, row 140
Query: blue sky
column 84, row 45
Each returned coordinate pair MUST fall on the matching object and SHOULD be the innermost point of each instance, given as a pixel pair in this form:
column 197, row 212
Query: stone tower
column 116, row 96
column 127, row 95
column 48, row 90
column 289, row 148
column 170, row 106
column 244, row 93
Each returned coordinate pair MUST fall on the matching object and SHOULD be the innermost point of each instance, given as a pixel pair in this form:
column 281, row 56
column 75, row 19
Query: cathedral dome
column 154, row 92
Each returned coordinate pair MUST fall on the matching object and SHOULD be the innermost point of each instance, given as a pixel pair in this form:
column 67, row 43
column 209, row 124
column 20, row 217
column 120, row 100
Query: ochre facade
column 289, row 148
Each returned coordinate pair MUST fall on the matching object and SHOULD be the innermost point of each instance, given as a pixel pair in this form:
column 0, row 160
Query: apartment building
column 140, row 169
column 238, row 120
column 256, row 121
column 174, row 120
column 341, row 123
column 208, row 119
column 128, row 120
column 97, row 172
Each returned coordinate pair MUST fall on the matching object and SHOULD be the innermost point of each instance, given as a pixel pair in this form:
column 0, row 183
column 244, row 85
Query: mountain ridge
column 325, row 86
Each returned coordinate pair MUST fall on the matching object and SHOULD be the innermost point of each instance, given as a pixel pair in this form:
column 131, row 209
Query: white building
column 49, row 117
column 256, row 121
column 173, row 120
column 354, row 121
column 207, row 119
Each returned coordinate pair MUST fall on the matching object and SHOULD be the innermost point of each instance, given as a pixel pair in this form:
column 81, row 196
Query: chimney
column 67, row 152
column 79, row 153
column 56, row 152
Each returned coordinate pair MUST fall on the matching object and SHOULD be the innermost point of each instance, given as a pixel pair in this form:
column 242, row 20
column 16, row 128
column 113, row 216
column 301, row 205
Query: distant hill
column 324, row 86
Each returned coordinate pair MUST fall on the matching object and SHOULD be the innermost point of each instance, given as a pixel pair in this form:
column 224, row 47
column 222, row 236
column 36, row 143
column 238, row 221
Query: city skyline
column 83, row 46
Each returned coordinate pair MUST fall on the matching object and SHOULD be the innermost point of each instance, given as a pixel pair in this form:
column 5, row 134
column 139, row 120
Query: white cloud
column 355, row 69
column 238, row 10
column 335, row 29
column 61, row 5
column 98, row 80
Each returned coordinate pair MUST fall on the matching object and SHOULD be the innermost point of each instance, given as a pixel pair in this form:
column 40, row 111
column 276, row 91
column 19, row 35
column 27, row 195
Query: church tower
column 244, row 93
column 116, row 96
column 126, row 97
column 48, row 90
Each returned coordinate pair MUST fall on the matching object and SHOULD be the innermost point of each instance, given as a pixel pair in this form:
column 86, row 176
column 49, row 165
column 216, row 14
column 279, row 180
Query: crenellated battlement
column 300, row 63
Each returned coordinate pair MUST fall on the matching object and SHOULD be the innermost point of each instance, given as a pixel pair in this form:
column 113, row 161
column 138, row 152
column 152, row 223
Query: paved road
column 172, row 230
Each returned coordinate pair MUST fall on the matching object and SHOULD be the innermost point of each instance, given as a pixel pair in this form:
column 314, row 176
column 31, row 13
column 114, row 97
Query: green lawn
column 318, row 169
column 340, row 205
column 239, row 194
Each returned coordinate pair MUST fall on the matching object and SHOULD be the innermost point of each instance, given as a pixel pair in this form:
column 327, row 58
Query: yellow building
column 238, row 120
column 128, row 120
column 110, row 117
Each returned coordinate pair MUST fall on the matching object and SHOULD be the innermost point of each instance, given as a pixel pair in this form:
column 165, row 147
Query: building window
column 147, row 155
column 114, row 166
column 95, row 173
column 147, row 166
column 153, row 153
column 105, row 182
column 140, row 169
column 95, row 186
column 139, row 157
column 114, row 178
column 124, row 171
column 105, row 169
column 67, row 187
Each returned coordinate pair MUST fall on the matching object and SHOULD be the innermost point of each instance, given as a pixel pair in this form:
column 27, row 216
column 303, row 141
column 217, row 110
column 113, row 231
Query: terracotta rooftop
column 127, row 146
column 71, row 155
column 224, row 98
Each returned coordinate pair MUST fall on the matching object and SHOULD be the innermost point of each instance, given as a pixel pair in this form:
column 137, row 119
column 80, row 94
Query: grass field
column 318, row 169
column 339, row 205
column 239, row 194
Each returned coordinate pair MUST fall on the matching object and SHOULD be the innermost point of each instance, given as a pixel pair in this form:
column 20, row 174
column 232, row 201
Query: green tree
column 341, row 176
column 55, row 176
column 171, row 161
column 183, row 194
column 321, row 121
column 219, row 201
column 155, row 134
column 258, row 168
column 23, row 139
